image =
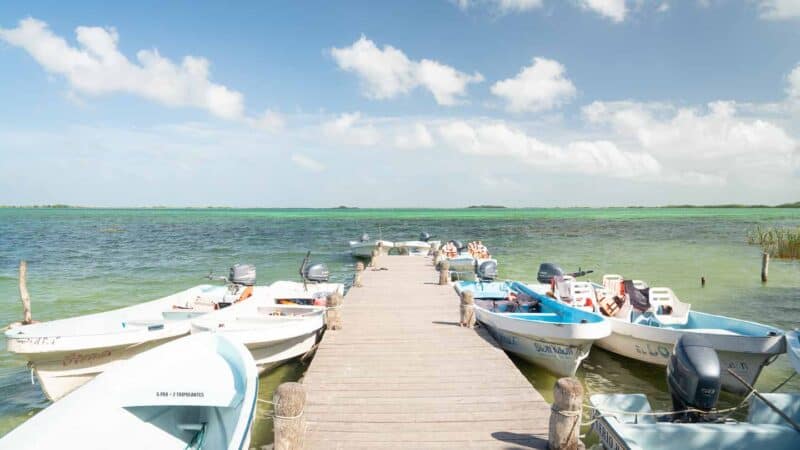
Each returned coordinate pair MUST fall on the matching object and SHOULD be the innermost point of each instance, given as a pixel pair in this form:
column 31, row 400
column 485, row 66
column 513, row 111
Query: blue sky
column 429, row 103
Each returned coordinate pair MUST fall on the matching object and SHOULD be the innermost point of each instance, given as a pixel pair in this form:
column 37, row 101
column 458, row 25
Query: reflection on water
column 85, row 261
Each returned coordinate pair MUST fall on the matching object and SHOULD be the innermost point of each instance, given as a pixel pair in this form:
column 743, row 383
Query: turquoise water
column 88, row 260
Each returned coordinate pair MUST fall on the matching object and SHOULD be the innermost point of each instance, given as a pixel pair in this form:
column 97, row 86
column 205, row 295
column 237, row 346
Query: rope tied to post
column 277, row 416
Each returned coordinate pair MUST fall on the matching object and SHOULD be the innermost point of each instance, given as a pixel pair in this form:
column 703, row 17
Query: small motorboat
column 647, row 321
column 627, row 421
column 363, row 247
column 535, row 327
column 195, row 392
column 274, row 334
column 313, row 290
column 66, row 353
column 465, row 260
column 422, row 247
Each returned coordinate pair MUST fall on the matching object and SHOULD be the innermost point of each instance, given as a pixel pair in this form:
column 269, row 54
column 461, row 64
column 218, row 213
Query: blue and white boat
column 627, row 421
column 793, row 348
column 647, row 321
column 535, row 327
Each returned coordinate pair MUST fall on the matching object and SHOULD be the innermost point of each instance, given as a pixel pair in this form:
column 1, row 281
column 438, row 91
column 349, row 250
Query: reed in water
column 778, row 242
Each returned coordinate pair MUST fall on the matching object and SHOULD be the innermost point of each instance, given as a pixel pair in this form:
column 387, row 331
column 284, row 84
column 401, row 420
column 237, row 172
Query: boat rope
column 275, row 416
column 604, row 412
column 784, row 381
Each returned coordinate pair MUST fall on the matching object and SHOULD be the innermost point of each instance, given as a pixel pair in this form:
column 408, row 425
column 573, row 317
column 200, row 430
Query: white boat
column 414, row 248
column 535, row 327
column 363, row 247
column 66, row 353
column 793, row 348
column 274, row 334
column 647, row 321
column 309, row 293
column 627, row 421
column 195, row 392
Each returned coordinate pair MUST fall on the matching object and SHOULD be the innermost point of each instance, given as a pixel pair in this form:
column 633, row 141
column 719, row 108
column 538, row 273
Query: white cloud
column 388, row 72
column 503, row 6
column 664, row 7
column 779, row 9
column 348, row 129
column 413, row 137
column 269, row 120
column 538, row 87
column 307, row 163
column 714, row 142
column 97, row 67
column 586, row 157
column 611, row 9
column 793, row 80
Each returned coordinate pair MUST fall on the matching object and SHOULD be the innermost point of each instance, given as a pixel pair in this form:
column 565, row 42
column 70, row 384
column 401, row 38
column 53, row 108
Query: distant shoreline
column 722, row 206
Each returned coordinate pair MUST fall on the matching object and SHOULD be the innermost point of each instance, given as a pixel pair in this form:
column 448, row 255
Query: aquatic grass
column 778, row 242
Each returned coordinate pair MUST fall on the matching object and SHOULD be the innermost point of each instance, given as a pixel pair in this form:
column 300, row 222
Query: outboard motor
column 317, row 273
column 364, row 237
column 693, row 377
column 243, row 275
column 424, row 237
column 487, row 270
column 547, row 271
column 458, row 245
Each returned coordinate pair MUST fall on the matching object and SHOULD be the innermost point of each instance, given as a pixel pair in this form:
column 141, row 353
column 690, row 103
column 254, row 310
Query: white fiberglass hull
column 413, row 248
column 364, row 249
column 272, row 339
column 66, row 353
column 557, row 347
column 199, row 387
column 746, row 355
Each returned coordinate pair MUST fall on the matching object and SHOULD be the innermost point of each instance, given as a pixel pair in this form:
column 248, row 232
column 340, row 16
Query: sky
column 431, row 103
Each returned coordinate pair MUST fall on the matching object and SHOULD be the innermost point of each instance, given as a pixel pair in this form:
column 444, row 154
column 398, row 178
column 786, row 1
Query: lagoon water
column 88, row 260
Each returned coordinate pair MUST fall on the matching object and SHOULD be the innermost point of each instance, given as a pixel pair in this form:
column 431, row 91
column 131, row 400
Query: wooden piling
column 359, row 272
column 444, row 273
column 289, row 402
column 23, row 293
column 764, row 266
column 334, row 312
column 467, row 309
column 565, row 420
column 373, row 257
column 702, row 281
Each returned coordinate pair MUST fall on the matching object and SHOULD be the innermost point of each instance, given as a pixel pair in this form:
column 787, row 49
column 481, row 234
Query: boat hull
column 545, row 345
column 364, row 249
column 60, row 373
column 745, row 355
column 413, row 248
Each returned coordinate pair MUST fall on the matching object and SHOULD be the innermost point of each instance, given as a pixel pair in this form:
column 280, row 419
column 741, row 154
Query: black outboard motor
column 424, row 237
column 243, row 274
column 364, row 237
column 316, row 273
column 487, row 270
column 693, row 376
column 547, row 271
column 458, row 245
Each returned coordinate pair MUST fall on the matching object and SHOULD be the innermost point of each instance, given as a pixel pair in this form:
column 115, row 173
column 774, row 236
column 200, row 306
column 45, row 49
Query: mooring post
column 289, row 401
column 437, row 258
column 23, row 293
column 444, row 273
column 764, row 266
column 702, row 281
column 334, row 312
column 565, row 417
column 373, row 257
column 359, row 272
column 467, row 309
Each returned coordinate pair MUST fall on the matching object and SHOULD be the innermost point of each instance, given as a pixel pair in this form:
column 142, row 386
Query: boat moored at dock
column 363, row 247
column 535, row 327
column 66, row 353
column 195, row 392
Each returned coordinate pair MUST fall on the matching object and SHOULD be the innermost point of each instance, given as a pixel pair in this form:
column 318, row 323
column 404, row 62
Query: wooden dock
column 402, row 373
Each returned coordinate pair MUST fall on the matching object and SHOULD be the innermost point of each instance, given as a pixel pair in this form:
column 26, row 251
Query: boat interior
column 634, row 301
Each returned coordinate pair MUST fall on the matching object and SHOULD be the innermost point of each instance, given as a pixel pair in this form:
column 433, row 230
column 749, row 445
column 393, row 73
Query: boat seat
column 608, row 306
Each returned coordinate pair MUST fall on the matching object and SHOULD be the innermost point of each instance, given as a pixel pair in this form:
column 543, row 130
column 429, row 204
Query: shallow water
column 88, row 260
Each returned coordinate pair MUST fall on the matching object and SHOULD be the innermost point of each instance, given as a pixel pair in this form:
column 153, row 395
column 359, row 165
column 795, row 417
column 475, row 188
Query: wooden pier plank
column 402, row 373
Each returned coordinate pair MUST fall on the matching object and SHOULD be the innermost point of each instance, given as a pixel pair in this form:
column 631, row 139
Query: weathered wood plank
column 402, row 374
